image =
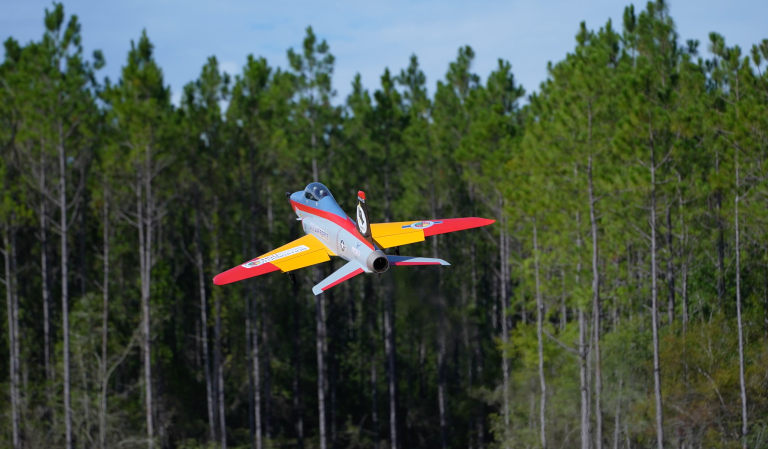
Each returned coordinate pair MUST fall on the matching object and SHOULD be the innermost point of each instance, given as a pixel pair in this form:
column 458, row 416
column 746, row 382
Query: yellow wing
column 387, row 235
column 299, row 253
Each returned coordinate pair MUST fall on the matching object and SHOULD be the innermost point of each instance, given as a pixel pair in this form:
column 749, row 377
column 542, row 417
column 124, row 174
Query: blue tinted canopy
column 316, row 192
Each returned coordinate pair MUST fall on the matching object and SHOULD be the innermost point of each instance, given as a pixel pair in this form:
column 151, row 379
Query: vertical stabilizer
column 363, row 223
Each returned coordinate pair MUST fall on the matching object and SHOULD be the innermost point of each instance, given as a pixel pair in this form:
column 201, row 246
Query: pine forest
column 620, row 300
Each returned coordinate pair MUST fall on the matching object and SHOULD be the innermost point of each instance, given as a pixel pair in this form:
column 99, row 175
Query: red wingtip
column 361, row 194
column 239, row 273
column 456, row 224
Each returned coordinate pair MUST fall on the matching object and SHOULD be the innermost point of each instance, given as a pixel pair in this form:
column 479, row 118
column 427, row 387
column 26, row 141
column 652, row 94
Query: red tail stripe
column 349, row 276
column 415, row 263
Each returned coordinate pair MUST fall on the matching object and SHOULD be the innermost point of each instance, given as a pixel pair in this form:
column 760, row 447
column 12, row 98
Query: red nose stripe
column 347, row 224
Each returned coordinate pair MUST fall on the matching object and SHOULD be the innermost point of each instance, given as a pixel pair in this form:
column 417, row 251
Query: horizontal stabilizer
column 348, row 271
column 408, row 260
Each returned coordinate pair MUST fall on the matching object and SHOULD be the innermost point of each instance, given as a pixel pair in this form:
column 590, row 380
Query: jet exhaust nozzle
column 377, row 262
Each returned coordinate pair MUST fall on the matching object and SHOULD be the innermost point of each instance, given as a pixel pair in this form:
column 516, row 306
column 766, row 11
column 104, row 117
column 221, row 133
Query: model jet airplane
column 330, row 232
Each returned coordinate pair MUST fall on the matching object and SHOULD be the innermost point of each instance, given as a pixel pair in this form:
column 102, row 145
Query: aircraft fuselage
column 325, row 220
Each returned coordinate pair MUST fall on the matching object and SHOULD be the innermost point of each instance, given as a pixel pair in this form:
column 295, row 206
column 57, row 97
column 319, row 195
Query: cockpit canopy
column 316, row 192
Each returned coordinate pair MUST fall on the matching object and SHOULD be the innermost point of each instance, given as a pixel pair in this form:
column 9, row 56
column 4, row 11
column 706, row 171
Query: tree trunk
column 670, row 270
column 441, row 393
column 389, row 346
column 256, row 380
column 655, row 305
column 217, row 335
column 744, row 421
column 65, row 288
column 256, row 371
column 204, row 325
column 297, row 407
column 503, row 259
column 267, row 370
column 145, row 206
column 319, row 340
column 104, row 323
column 617, row 419
column 12, row 335
column 586, row 431
column 46, row 287
column 374, row 381
column 539, row 319
column 596, row 309
column 249, row 364
column 720, row 240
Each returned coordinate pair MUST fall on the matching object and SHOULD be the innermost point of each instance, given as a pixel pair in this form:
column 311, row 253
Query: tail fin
column 363, row 223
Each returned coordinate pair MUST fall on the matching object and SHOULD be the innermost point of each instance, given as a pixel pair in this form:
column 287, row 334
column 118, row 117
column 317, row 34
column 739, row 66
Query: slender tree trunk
column 503, row 260
column 617, row 418
column 104, row 323
column 217, row 334
column 254, row 303
column 204, row 325
column 82, row 267
column 12, row 333
column 297, row 407
column 441, row 393
column 265, row 320
column 256, row 373
column 249, row 365
column 684, row 280
column 320, row 318
column 670, row 270
column 744, row 421
column 586, row 431
column 146, row 213
column 720, row 240
column 583, row 377
column 267, row 357
column 65, row 288
column 765, row 296
column 596, row 309
column 539, row 319
column 374, row 380
column 389, row 320
column 655, row 305
column 20, row 387
column 46, row 287
column 389, row 346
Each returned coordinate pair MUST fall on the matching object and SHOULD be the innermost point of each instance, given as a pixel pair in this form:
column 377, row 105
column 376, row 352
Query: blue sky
column 364, row 36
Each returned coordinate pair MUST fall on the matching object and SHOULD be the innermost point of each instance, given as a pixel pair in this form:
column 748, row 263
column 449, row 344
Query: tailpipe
column 377, row 262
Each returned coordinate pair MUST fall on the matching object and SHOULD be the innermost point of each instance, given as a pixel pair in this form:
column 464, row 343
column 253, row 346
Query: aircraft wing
column 388, row 235
column 299, row 253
